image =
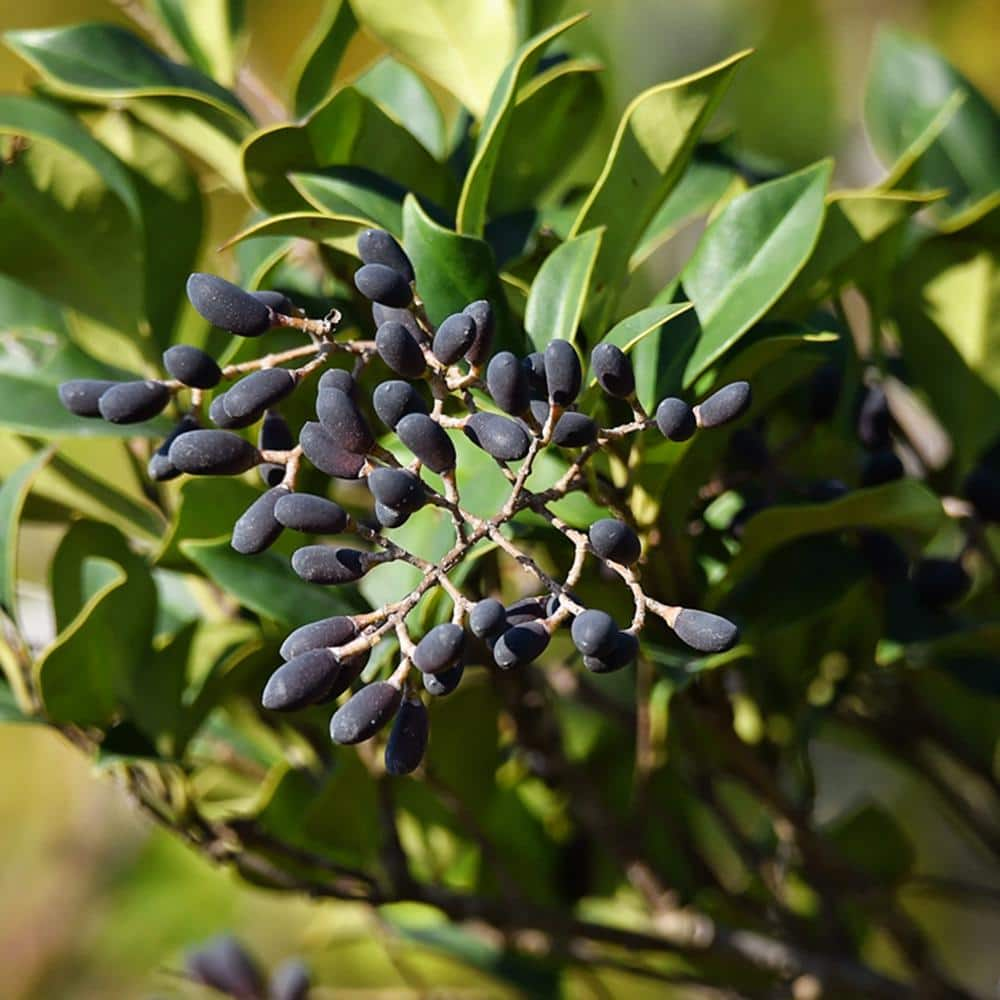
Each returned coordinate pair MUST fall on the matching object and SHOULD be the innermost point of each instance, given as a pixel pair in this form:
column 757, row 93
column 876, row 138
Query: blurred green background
column 95, row 901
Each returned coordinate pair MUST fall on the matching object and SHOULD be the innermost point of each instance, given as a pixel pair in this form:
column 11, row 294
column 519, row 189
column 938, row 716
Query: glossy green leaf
column 266, row 584
column 872, row 840
column 348, row 130
column 169, row 203
column 352, row 192
column 700, row 187
column 749, row 255
column 559, row 291
column 945, row 306
column 651, row 148
column 543, row 140
column 471, row 212
column 904, row 505
column 208, row 31
column 14, row 492
column 70, row 216
column 462, row 46
column 400, row 91
column 908, row 87
column 320, row 56
column 454, row 270
column 104, row 61
column 340, row 232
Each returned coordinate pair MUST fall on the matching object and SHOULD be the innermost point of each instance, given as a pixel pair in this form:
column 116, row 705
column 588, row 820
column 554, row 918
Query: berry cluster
column 449, row 381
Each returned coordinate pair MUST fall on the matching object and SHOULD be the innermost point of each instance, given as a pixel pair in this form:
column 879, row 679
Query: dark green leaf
column 207, row 30
column 348, row 191
column 13, row 492
column 321, row 55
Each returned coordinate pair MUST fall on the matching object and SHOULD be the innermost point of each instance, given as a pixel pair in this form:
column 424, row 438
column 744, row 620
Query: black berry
column 675, row 419
column 303, row 680
column 227, row 306
column 563, row 374
column 383, row 285
column 440, row 649
column 498, row 436
column 258, row 528
column 428, row 441
column 192, row 366
column 614, row 540
column 133, row 402
column 376, row 246
column 212, row 453
column 365, row 713
column 613, row 370
column 309, row 513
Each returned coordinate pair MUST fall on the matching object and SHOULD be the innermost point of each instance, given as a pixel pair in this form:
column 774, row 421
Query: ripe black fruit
column 885, row 556
column 675, row 419
column 453, row 338
column 219, row 416
column 445, row 682
column 254, row 393
column 497, row 436
column 192, row 366
column 428, row 441
column 227, row 306
column 440, row 649
column 525, row 609
column 614, row 540
column 338, row 415
column 521, row 644
column 534, row 368
column 376, row 246
column 224, row 965
column 724, row 405
column 383, row 285
column 330, row 565
column 310, row 513
column 482, row 315
column 982, row 490
column 623, row 651
column 386, row 314
column 881, row 467
column 335, row 631
column 212, row 453
column 327, row 455
column 81, row 395
column 276, row 301
column 563, row 374
column 705, row 632
column 940, row 582
column 613, row 370
column 488, row 618
column 397, row 488
column 339, row 378
column 160, row 468
column 594, row 632
column 507, row 382
column 365, row 713
column 874, row 419
column 394, row 399
column 398, row 349
column 258, row 528
column 408, row 739
column 574, row 430
column 274, row 435
column 290, row 981
column 133, row 402
column 304, row 680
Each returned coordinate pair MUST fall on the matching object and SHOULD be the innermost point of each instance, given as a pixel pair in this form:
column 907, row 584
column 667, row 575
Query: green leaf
column 471, row 213
column 13, row 493
column 105, row 62
column 871, row 840
column 169, row 203
column 207, row 30
column 266, row 584
column 944, row 304
column 904, row 505
column 348, row 191
column 542, row 142
column 699, row 189
column 463, row 46
column 749, row 255
column 454, row 270
column 399, row 90
column 348, row 130
column 651, row 148
column 908, row 87
column 70, row 216
column 559, row 291
column 320, row 56
column 336, row 231
column 854, row 220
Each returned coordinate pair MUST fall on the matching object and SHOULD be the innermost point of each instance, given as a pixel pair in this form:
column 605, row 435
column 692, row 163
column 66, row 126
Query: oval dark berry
column 398, row 349
column 384, row 285
column 160, row 468
column 563, row 373
column 212, row 453
column 487, row 618
column 276, row 301
column 365, row 713
column 343, row 420
column 507, row 382
column 311, row 514
column 482, row 315
column 705, row 632
column 330, row 565
column 274, row 435
column 376, row 246
column 219, row 416
column 397, row 488
column 520, row 645
column 428, row 441
column 498, row 436
column 623, row 651
column 594, row 632
column 613, row 370
column 327, row 455
column 614, row 540
column 394, row 399
column 440, row 649
column 724, row 405
column 254, row 393
column 574, row 430
column 445, row 682
column 408, row 739
column 454, row 337
column 339, row 378
column 940, row 582
column 389, row 517
column 228, row 306
column 335, row 631
column 675, row 419
column 133, row 402
column 81, row 395
column 303, row 680
column 192, row 366
column 258, row 528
